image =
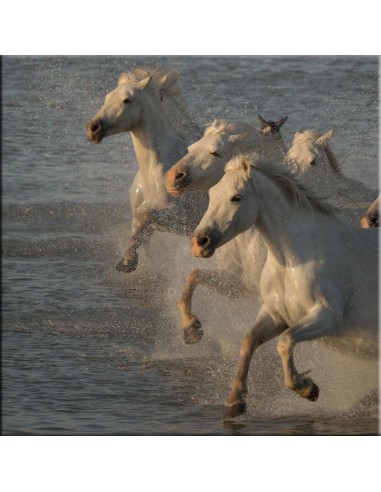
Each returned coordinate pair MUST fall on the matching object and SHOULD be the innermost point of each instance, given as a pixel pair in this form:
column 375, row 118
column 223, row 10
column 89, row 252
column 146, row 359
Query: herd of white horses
column 288, row 227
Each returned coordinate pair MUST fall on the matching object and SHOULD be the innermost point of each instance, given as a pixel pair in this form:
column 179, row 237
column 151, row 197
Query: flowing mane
column 169, row 87
column 246, row 135
column 301, row 193
column 307, row 135
column 166, row 80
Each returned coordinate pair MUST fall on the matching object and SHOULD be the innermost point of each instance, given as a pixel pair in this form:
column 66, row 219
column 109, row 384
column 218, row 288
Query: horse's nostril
column 203, row 241
column 95, row 128
column 180, row 175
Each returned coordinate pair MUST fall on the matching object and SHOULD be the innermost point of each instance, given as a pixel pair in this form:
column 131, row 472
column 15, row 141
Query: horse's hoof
column 193, row 334
column 314, row 393
column 238, row 408
column 129, row 265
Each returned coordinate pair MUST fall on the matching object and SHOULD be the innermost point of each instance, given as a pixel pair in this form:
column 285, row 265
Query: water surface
column 88, row 350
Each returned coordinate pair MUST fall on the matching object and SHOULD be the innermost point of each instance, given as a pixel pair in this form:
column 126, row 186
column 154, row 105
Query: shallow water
column 88, row 350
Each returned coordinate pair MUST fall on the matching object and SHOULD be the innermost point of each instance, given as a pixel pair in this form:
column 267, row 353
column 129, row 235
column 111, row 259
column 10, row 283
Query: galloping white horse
column 203, row 167
column 310, row 156
column 320, row 278
column 146, row 103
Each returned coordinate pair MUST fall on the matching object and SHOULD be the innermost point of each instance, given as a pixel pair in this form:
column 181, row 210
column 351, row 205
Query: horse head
column 310, row 152
column 123, row 106
column 203, row 165
column 232, row 209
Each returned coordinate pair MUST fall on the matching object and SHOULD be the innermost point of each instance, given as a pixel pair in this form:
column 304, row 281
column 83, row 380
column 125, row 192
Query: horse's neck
column 340, row 189
column 274, row 147
column 158, row 146
column 284, row 226
column 157, row 143
column 356, row 189
column 332, row 160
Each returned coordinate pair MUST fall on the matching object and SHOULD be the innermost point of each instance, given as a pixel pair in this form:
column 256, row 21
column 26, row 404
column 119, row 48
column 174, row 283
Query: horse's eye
column 236, row 198
column 215, row 154
column 313, row 162
column 126, row 101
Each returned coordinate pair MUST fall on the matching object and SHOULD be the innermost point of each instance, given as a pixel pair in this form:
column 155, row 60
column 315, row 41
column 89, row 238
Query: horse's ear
column 281, row 121
column 163, row 81
column 144, row 84
column 245, row 166
column 262, row 121
column 209, row 128
column 324, row 139
column 124, row 78
column 168, row 80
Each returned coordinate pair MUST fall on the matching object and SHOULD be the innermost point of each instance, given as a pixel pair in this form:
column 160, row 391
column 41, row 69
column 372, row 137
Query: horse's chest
column 287, row 293
column 154, row 189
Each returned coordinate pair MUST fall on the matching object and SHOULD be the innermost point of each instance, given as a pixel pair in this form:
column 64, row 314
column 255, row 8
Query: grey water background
column 89, row 350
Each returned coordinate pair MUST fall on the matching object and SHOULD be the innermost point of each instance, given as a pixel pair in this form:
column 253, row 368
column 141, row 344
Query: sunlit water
column 89, row 350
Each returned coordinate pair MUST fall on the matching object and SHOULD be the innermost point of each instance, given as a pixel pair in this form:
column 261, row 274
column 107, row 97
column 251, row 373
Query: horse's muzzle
column 201, row 246
column 176, row 180
column 94, row 132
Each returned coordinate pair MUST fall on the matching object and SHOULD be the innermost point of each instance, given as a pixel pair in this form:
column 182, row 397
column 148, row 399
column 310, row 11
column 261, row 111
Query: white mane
column 169, row 88
column 306, row 135
column 165, row 80
column 301, row 193
column 246, row 135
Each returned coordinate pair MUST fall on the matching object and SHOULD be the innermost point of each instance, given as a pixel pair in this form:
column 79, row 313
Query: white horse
column 320, row 278
column 202, row 167
column 310, row 156
column 146, row 104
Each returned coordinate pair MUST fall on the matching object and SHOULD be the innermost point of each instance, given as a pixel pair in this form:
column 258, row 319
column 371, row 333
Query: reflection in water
column 234, row 427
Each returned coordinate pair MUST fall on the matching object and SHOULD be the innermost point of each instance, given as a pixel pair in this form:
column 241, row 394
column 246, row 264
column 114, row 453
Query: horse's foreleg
column 265, row 328
column 129, row 261
column 320, row 321
column 220, row 281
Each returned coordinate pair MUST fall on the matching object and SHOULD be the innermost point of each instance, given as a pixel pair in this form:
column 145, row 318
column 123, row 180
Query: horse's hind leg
column 266, row 328
column 319, row 322
column 220, row 281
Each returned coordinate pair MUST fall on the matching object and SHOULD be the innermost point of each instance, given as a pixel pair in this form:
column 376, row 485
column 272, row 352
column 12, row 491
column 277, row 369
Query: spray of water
column 348, row 386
